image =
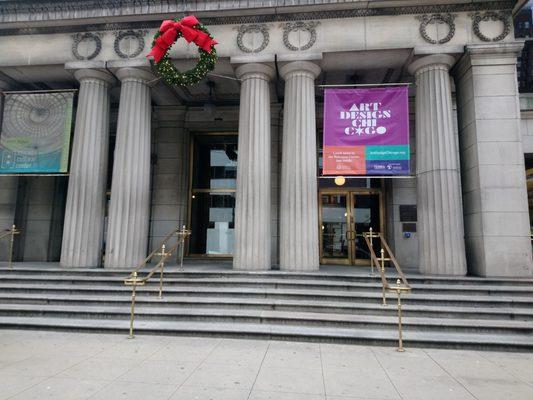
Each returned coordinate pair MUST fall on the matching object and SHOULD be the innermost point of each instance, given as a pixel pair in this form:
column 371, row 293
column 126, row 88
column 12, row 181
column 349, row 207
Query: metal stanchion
column 12, row 232
column 383, row 294
column 399, row 288
column 182, row 234
column 133, row 282
column 163, row 254
column 371, row 236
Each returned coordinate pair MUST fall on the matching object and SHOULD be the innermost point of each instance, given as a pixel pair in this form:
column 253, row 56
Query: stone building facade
column 237, row 158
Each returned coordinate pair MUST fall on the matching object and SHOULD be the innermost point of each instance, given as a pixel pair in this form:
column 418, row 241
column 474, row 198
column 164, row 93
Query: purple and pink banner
column 366, row 131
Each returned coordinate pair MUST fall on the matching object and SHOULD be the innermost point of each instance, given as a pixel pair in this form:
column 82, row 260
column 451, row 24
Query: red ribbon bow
column 169, row 32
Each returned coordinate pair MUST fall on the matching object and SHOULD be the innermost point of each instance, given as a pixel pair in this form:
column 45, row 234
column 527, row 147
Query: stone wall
column 40, row 213
column 170, row 155
column 8, row 202
column 495, row 204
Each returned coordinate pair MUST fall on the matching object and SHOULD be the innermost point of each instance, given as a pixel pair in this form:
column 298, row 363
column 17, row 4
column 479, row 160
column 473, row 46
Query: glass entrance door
column 366, row 214
column 335, row 226
column 344, row 216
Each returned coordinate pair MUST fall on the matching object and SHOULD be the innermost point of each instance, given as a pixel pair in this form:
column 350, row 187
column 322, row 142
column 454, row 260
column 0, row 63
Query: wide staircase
column 336, row 304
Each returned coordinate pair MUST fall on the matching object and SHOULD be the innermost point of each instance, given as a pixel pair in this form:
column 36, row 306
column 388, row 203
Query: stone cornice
column 19, row 17
column 487, row 54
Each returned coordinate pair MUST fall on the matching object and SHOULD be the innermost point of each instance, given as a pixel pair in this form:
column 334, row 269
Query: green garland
column 171, row 75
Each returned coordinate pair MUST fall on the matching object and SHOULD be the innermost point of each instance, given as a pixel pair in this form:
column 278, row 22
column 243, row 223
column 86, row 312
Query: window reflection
column 334, row 226
column 223, row 170
column 213, row 195
column 213, row 222
column 215, row 162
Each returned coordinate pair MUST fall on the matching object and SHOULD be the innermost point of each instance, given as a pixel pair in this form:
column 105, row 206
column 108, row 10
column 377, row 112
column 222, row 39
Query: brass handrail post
column 401, row 283
column 133, row 282
column 371, row 245
column 132, row 316
column 370, row 235
column 163, row 254
column 400, row 338
column 399, row 288
column 13, row 231
column 382, row 259
column 182, row 234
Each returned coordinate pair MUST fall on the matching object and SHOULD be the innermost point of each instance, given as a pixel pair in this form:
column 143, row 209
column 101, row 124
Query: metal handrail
column 402, row 285
column 133, row 279
column 11, row 233
column 143, row 263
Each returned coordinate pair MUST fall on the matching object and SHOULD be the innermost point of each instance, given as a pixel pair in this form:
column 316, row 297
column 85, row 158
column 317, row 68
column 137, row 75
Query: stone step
column 278, row 332
column 373, row 308
column 492, row 290
column 332, row 295
column 331, row 305
column 270, row 317
column 354, row 274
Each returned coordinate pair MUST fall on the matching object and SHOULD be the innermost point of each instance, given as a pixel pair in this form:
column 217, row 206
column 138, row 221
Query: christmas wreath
column 192, row 31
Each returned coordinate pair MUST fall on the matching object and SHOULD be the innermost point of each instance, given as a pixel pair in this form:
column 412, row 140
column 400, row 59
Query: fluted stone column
column 84, row 213
column 439, row 201
column 298, row 204
column 252, row 208
column 8, row 195
column 129, row 210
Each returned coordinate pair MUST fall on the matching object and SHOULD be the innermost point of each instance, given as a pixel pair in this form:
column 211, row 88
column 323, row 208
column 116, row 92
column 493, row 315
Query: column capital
column 90, row 70
column 255, row 70
column 441, row 60
column 95, row 74
column 305, row 67
column 137, row 74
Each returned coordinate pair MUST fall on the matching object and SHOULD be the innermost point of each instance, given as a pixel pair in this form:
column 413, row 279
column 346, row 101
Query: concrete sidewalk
column 61, row 366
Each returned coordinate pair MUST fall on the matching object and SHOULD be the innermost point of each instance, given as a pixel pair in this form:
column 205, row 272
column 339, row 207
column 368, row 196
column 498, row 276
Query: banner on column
column 35, row 135
column 366, row 131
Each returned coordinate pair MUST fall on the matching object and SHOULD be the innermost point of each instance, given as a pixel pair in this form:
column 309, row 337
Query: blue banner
column 36, row 130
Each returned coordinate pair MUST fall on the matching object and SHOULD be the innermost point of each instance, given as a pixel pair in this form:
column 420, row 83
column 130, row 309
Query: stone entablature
column 40, row 17
column 314, row 37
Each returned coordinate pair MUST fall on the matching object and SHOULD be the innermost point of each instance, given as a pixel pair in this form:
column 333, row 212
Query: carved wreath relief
column 427, row 19
column 503, row 16
column 254, row 28
column 130, row 43
column 299, row 26
column 88, row 41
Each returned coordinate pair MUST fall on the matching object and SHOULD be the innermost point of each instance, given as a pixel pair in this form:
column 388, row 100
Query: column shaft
column 440, row 220
column 84, row 212
column 252, row 208
column 298, row 206
column 129, row 210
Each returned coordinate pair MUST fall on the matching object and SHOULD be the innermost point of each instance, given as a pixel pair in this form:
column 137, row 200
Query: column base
column 251, row 268
column 312, row 268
